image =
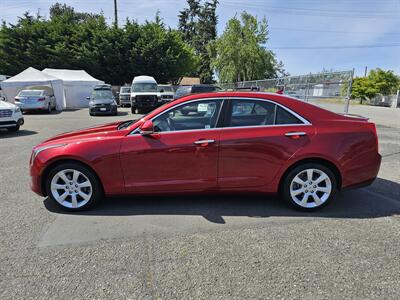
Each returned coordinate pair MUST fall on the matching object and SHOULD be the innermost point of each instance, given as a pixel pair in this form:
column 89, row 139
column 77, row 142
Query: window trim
column 229, row 109
column 225, row 112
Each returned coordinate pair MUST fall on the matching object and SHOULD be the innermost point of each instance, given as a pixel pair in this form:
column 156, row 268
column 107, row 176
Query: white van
column 144, row 94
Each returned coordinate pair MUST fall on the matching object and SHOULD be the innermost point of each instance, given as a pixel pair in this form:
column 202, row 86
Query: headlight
column 17, row 110
column 36, row 151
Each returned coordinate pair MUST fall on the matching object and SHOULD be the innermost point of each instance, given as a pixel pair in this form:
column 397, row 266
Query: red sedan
column 228, row 142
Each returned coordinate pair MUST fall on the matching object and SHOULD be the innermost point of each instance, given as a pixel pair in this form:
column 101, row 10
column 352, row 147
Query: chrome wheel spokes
column 71, row 188
column 310, row 188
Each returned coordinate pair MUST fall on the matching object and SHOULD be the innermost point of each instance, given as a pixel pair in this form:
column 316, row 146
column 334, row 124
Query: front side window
column 258, row 113
column 196, row 115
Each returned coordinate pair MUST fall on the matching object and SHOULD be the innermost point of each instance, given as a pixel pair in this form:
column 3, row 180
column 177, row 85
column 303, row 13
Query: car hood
column 101, row 101
column 82, row 134
column 133, row 94
column 6, row 105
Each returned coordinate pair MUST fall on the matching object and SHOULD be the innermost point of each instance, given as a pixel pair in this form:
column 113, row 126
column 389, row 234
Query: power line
column 334, row 47
column 331, row 31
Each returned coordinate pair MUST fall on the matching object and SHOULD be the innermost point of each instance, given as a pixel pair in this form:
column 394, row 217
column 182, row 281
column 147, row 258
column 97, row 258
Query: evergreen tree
column 198, row 24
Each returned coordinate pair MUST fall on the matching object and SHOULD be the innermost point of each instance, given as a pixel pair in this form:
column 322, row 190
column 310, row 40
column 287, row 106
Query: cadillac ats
column 230, row 142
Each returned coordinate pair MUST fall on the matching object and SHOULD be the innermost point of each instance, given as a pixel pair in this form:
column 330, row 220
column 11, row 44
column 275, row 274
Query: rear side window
column 259, row 113
column 252, row 113
column 284, row 117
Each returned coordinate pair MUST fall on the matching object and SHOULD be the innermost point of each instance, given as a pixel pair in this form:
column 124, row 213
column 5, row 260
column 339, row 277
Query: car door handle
column 295, row 134
column 204, row 142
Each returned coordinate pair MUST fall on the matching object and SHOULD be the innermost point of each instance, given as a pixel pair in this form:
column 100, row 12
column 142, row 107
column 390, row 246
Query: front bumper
column 11, row 122
column 103, row 110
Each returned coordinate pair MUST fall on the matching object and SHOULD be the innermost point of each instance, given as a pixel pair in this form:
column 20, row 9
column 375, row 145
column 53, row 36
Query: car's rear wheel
column 309, row 186
column 73, row 187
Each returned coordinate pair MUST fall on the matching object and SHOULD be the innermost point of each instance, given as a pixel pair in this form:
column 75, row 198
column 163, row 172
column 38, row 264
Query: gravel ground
column 196, row 247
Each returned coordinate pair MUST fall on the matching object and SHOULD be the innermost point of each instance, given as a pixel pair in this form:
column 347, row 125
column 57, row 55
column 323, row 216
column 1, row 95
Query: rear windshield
column 101, row 94
column 30, row 93
column 125, row 90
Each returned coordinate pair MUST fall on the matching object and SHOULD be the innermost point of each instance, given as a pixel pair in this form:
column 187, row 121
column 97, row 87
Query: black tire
column 13, row 129
column 97, row 191
column 286, row 185
column 133, row 110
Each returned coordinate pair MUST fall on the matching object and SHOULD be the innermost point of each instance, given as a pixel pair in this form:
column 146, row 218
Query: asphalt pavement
column 208, row 247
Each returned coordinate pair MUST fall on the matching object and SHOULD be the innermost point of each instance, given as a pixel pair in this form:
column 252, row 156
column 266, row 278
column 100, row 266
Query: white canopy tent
column 77, row 85
column 33, row 77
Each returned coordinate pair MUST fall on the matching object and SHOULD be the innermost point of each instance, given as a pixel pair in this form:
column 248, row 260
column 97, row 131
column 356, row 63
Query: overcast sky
column 307, row 35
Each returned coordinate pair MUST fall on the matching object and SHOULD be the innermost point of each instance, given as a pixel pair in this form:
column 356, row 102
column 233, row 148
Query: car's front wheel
column 309, row 186
column 73, row 187
column 13, row 129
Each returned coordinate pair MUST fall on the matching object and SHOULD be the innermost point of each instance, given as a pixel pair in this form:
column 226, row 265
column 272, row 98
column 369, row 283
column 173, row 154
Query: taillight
column 41, row 99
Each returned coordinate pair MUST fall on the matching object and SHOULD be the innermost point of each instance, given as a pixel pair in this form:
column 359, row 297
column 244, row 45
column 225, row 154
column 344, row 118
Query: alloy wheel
column 310, row 188
column 71, row 188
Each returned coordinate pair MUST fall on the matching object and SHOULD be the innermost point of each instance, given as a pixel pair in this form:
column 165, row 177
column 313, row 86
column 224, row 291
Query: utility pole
column 365, row 72
column 115, row 13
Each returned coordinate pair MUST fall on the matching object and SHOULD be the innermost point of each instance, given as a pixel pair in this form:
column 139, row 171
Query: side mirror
column 117, row 93
column 161, row 91
column 2, row 99
column 147, row 128
column 87, row 98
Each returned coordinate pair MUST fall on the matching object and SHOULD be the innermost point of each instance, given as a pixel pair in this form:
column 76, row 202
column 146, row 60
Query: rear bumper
column 361, row 174
column 34, row 106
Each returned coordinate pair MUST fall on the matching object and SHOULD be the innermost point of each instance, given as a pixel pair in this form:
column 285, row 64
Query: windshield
column 101, row 94
column 125, row 90
column 183, row 91
column 144, row 87
column 30, row 93
column 166, row 88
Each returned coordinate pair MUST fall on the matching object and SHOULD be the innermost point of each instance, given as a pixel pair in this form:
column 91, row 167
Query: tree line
column 75, row 40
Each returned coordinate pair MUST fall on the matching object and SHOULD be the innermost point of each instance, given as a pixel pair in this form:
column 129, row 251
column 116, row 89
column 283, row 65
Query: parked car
column 10, row 116
column 185, row 90
column 102, row 101
column 40, row 99
column 166, row 92
column 144, row 94
column 125, row 96
column 242, row 142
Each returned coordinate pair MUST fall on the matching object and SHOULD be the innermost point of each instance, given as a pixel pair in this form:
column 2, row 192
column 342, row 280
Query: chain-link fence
column 325, row 89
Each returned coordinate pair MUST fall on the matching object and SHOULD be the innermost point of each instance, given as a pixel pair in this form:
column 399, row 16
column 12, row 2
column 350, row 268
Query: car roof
column 144, row 79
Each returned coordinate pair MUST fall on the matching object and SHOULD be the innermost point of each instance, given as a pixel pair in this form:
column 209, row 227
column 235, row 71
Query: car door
column 258, row 137
column 182, row 154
